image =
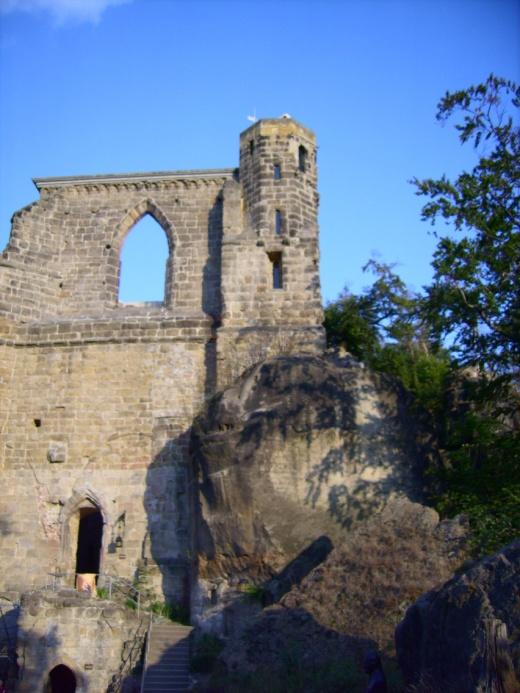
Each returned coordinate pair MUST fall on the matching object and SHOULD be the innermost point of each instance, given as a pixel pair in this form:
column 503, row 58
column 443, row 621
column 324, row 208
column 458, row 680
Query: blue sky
column 97, row 86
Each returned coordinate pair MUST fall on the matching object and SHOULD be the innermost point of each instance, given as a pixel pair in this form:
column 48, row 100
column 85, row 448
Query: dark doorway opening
column 90, row 535
column 61, row 680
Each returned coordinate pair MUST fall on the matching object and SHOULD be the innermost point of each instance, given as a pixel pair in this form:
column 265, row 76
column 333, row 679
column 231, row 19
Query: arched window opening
column 277, row 172
column 61, row 680
column 144, row 259
column 302, row 158
column 88, row 552
column 275, row 259
column 278, row 222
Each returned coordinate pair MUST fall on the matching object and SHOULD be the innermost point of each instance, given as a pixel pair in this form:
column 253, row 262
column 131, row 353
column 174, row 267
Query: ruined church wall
column 97, row 397
column 108, row 422
column 63, row 257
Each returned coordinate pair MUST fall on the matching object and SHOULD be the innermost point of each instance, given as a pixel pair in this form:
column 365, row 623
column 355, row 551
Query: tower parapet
column 278, row 174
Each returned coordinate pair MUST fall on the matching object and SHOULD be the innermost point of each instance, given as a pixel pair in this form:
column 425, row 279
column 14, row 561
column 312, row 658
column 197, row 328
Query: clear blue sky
column 97, row 86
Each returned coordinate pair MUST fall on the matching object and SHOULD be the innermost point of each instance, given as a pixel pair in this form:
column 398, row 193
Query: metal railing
column 146, row 653
column 119, row 585
column 114, row 585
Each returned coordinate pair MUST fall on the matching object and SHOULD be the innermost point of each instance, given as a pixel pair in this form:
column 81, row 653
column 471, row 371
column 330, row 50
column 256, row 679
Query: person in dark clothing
column 373, row 667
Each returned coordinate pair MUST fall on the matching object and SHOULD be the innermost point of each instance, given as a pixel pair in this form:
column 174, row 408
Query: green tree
column 475, row 294
column 474, row 301
column 383, row 326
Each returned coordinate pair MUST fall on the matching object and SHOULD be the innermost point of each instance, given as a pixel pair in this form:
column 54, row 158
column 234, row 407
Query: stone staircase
column 167, row 659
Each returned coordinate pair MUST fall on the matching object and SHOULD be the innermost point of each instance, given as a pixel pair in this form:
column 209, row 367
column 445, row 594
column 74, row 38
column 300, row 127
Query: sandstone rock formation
column 465, row 636
column 299, row 447
column 353, row 600
column 366, row 583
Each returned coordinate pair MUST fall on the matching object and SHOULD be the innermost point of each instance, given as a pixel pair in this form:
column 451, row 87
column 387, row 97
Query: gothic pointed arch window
column 144, row 263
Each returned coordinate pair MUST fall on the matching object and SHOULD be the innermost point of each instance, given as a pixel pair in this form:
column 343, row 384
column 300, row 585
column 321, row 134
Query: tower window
column 277, row 172
column 251, row 147
column 275, row 259
column 278, row 222
column 302, row 158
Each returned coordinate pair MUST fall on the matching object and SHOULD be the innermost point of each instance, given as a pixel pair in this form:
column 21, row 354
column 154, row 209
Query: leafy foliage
column 474, row 300
column 475, row 295
column 482, row 478
column 255, row 593
column 384, row 327
column 171, row 611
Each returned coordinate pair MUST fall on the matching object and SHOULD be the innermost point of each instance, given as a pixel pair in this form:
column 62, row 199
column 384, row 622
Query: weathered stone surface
column 101, row 643
column 465, row 636
column 97, row 396
column 365, row 584
column 300, row 446
column 279, row 636
column 348, row 604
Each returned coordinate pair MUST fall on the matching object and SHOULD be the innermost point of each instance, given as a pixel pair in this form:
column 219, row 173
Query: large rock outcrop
column 299, row 447
column 465, row 636
column 352, row 601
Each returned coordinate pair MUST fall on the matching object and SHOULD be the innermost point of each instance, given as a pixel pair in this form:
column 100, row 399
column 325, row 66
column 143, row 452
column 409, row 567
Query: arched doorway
column 83, row 537
column 90, row 538
column 61, row 680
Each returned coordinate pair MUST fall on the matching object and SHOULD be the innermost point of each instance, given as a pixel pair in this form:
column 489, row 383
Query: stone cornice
column 132, row 179
column 118, row 329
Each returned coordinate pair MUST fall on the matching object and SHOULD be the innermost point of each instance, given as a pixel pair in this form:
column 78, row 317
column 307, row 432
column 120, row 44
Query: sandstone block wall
column 114, row 416
column 98, row 397
column 98, row 641
column 63, row 254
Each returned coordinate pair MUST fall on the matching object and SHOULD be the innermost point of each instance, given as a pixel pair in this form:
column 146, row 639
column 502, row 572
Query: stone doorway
column 83, row 540
column 90, row 540
column 61, row 680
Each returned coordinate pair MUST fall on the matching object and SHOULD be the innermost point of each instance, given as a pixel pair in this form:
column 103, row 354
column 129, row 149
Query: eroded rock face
column 299, row 447
column 465, row 636
column 352, row 601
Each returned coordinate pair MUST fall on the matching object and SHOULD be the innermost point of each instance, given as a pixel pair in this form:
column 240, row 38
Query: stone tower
column 270, row 254
column 97, row 397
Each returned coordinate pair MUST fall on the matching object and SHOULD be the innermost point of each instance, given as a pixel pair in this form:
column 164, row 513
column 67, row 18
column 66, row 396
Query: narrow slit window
column 251, row 147
column 277, row 172
column 276, row 267
column 302, row 158
column 278, row 222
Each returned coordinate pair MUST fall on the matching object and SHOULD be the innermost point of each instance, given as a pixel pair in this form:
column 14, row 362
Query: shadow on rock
column 300, row 446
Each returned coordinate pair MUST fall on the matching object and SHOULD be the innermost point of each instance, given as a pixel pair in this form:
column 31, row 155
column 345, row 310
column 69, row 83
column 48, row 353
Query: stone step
column 181, row 678
column 179, row 642
column 167, row 662
column 162, row 678
column 158, row 659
